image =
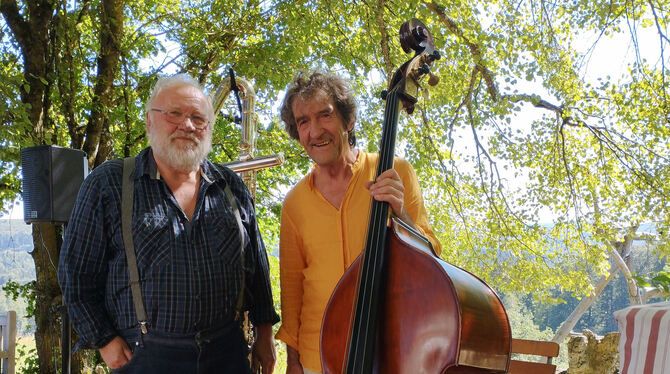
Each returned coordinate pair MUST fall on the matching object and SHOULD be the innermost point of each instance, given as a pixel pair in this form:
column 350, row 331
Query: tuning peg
column 433, row 79
column 384, row 94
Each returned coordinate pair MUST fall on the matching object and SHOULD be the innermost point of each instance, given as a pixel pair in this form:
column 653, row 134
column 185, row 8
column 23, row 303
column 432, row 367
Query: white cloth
column 644, row 343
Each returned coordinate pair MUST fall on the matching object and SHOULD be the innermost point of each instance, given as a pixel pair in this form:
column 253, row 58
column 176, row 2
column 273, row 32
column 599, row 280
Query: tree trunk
column 47, row 240
column 111, row 30
column 633, row 290
column 583, row 306
column 617, row 263
column 33, row 25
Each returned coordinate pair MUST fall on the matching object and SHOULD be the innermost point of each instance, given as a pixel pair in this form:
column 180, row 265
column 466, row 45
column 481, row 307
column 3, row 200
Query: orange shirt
column 318, row 242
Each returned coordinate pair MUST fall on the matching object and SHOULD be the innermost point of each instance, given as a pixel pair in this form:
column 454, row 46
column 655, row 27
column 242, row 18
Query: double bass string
column 380, row 218
column 369, row 278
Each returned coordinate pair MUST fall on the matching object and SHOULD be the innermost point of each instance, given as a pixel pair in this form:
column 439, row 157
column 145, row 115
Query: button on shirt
column 190, row 271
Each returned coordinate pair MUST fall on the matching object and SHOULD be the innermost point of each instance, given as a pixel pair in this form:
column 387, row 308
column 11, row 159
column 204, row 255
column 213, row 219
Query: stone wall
column 589, row 353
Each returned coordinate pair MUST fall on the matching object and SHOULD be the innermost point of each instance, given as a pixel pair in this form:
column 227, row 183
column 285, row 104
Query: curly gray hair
column 305, row 85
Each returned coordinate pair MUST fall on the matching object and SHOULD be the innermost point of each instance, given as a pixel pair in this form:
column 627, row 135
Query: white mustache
column 182, row 134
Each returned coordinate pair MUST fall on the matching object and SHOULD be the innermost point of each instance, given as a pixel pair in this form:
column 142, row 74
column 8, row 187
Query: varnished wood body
column 435, row 318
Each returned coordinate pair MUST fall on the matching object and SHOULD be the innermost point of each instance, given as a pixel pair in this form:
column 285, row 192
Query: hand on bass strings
column 388, row 187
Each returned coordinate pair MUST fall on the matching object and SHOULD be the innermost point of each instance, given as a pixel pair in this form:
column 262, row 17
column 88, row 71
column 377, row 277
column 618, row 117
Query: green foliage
column 522, row 320
column 599, row 317
column 523, row 325
column 27, row 357
column 17, row 273
column 659, row 280
column 24, row 291
column 21, row 298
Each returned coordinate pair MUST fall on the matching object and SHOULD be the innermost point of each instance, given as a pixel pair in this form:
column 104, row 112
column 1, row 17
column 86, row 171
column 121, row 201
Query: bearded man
column 199, row 259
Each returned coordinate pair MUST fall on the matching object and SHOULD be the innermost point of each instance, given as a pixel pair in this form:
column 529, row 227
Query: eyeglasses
column 176, row 117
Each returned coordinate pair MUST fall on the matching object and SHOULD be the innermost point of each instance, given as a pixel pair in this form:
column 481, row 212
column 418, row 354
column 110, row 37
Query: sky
column 16, row 212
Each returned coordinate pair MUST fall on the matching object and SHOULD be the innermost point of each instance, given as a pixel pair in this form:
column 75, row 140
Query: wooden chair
column 8, row 343
column 545, row 349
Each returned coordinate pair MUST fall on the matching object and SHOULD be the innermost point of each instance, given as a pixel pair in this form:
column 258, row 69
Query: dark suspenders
column 127, row 200
column 236, row 210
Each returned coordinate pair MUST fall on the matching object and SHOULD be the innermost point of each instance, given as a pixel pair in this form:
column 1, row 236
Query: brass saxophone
column 246, row 164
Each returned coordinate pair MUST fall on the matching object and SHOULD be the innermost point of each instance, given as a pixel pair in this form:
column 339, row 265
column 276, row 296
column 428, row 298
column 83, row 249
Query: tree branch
column 476, row 53
column 18, row 25
column 662, row 37
column 384, row 41
column 111, row 30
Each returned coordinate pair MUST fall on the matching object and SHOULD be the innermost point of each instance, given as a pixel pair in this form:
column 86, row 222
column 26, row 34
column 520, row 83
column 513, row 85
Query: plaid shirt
column 190, row 271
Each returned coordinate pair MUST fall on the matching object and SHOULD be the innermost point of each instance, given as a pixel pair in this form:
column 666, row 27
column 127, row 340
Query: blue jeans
column 222, row 350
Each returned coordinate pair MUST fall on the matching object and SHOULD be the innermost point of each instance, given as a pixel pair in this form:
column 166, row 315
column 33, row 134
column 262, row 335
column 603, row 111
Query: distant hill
column 16, row 264
column 15, row 244
column 14, row 226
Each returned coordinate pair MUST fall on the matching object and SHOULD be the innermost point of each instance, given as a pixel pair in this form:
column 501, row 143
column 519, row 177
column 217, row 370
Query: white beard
column 185, row 157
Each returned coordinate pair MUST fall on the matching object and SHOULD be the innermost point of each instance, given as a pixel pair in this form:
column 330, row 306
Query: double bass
column 400, row 309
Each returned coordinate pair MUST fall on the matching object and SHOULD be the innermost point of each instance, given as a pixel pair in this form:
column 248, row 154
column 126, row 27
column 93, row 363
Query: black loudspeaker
column 51, row 179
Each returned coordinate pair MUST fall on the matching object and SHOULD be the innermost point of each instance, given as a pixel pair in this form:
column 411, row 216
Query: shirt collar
column 355, row 167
